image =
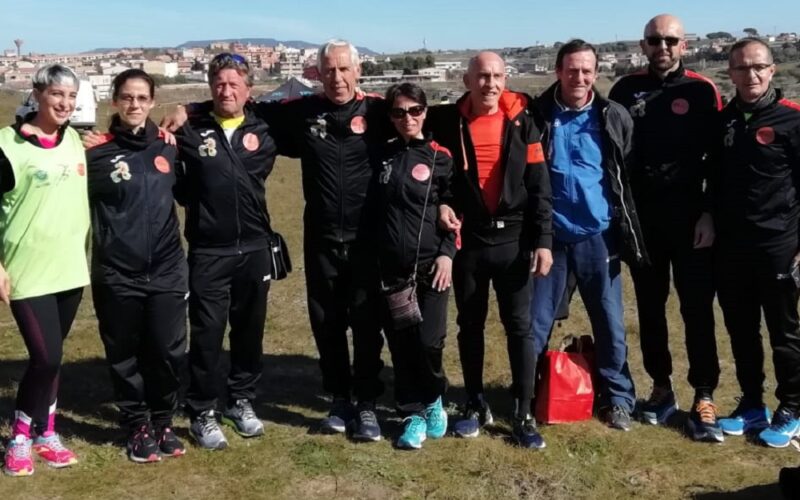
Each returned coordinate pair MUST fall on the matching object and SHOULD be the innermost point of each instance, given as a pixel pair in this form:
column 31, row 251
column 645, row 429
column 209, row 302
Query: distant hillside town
column 188, row 63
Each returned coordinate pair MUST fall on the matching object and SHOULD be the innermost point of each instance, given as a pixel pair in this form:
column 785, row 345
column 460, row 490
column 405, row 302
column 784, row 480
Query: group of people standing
column 525, row 194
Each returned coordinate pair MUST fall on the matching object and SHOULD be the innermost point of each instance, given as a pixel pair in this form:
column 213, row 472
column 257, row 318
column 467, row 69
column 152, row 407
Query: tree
column 369, row 68
column 751, row 31
column 719, row 35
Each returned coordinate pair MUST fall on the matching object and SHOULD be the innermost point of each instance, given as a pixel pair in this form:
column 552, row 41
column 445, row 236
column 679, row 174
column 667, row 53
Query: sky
column 401, row 25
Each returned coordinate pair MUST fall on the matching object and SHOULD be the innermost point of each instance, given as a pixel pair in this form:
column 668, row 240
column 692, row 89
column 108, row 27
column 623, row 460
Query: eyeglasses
column 400, row 113
column 130, row 99
column 228, row 56
column 655, row 41
column 758, row 68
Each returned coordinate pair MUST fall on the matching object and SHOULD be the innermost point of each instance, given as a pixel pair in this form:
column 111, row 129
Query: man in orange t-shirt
column 501, row 190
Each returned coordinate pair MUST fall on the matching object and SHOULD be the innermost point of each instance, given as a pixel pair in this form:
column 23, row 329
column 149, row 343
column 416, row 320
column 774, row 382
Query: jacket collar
column 511, row 104
column 546, row 102
column 249, row 116
column 398, row 142
column 770, row 97
column 564, row 107
column 678, row 73
column 135, row 141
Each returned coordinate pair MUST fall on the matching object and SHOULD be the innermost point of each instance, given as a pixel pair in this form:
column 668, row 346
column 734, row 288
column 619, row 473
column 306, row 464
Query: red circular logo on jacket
column 358, row 125
column 680, row 106
column 765, row 135
column 421, row 172
column 81, row 169
column 162, row 164
column 250, row 141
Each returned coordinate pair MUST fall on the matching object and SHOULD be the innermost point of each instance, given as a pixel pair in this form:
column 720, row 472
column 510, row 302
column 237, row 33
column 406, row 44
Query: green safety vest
column 44, row 220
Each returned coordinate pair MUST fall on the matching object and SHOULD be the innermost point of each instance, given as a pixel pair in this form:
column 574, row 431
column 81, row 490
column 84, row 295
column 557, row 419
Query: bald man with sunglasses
column 673, row 111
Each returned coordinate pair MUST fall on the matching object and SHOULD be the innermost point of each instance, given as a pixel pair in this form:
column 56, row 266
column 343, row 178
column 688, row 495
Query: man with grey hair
column 334, row 134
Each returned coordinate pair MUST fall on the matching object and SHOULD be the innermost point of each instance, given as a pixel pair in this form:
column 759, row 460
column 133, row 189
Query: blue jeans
column 597, row 269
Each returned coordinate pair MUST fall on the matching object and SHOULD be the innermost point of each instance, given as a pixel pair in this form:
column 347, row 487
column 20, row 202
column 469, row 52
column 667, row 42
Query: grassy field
column 584, row 460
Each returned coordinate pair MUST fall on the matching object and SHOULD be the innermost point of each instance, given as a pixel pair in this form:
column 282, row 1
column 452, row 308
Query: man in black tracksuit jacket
column 756, row 194
column 335, row 142
column 139, row 274
column 674, row 111
column 504, row 224
column 227, row 156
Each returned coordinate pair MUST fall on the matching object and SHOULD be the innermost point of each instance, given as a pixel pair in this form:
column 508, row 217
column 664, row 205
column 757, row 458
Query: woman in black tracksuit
column 139, row 275
column 414, row 175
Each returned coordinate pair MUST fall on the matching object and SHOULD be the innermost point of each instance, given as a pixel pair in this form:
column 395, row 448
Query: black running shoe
column 476, row 415
column 616, row 417
column 168, row 442
column 142, row 446
column 339, row 417
column 365, row 425
column 525, row 434
column 702, row 424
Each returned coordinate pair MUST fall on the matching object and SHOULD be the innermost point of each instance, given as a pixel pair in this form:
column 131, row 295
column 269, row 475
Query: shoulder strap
column 422, row 217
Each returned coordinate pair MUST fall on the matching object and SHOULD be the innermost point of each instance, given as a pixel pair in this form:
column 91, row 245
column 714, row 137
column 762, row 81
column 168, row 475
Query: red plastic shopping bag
column 565, row 392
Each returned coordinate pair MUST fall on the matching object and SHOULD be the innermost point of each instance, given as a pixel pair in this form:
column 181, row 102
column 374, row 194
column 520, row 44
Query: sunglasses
column 400, row 113
column 228, row 56
column 655, row 41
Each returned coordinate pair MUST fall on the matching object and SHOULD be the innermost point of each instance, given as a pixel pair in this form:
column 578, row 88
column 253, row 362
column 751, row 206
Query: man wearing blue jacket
column 587, row 140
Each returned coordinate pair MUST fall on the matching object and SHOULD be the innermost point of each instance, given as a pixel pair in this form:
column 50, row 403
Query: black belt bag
column 279, row 252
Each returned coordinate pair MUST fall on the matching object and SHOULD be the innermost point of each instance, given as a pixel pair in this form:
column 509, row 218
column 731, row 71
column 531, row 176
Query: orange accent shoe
column 702, row 424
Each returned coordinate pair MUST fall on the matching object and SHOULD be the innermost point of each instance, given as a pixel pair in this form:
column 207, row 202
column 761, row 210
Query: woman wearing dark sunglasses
column 139, row 273
column 414, row 176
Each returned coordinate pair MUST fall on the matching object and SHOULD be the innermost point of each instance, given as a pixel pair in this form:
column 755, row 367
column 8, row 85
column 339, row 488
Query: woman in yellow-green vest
column 44, row 220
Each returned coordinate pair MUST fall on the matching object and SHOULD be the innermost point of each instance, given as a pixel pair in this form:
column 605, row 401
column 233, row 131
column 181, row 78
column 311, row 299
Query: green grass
column 584, row 460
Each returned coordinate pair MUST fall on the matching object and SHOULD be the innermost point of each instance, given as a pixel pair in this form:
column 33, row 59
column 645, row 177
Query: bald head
column 663, row 23
column 485, row 79
column 484, row 57
column 664, row 43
